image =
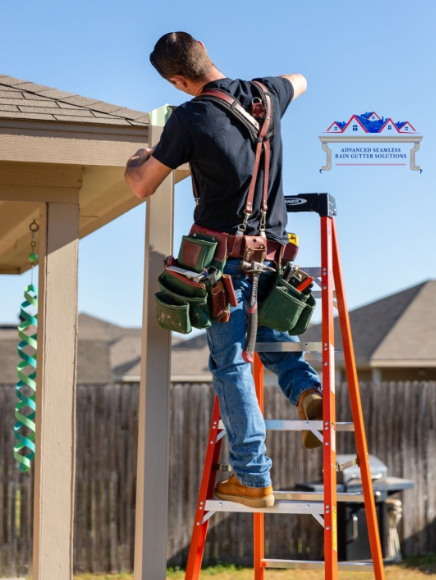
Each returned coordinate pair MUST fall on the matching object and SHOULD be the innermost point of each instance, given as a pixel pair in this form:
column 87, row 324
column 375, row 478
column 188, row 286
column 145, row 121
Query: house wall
column 365, row 374
column 411, row 374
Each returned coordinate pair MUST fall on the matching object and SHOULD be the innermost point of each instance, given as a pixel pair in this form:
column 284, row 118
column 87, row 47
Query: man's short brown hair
column 177, row 53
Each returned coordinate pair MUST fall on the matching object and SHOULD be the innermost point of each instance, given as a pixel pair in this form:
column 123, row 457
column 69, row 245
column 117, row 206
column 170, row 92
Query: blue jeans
column 234, row 385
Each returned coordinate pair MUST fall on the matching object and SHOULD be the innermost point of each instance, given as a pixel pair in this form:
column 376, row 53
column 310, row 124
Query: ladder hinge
column 219, row 467
column 342, row 466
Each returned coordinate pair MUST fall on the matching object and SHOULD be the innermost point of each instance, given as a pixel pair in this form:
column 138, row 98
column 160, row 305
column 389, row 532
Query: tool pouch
column 171, row 314
column 304, row 320
column 219, row 302
column 203, row 233
column 196, row 253
column 284, row 307
column 228, row 285
column 183, row 303
column 181, row 292
column 289, row 252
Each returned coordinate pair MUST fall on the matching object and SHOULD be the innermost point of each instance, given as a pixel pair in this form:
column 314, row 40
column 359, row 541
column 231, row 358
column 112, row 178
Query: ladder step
column 316, row 496
column 290, row 425
column 280, row 507
column 293, row 347
column 314, row 565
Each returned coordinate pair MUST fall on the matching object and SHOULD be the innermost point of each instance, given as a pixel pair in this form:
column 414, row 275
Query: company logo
column 298, row 201
column 369, row 139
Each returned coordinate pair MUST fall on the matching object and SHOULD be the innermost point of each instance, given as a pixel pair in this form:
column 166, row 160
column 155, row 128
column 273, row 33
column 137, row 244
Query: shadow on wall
column 422, row 542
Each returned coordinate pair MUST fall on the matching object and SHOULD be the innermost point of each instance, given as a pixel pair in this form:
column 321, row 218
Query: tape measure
column 293, row 239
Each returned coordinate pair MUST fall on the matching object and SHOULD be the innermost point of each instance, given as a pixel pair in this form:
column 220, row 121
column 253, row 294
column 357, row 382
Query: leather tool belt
column 230, row 246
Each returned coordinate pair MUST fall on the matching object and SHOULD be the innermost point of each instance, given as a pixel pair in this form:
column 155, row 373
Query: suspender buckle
column 242, row 227
column 257, row 108
column 262, row 224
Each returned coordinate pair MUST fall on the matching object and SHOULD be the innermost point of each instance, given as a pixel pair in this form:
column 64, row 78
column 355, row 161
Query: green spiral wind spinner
column 25, row 410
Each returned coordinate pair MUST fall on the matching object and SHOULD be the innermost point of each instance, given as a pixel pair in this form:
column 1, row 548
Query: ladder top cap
column 323, row 204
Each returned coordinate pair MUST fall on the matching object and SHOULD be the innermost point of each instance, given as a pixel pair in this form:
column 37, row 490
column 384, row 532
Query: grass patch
column 416, row 568
column 423, row 563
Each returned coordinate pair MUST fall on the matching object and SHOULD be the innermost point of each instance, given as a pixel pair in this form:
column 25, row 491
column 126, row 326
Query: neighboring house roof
column 399, row 330
column 93, row 362
column 189, row 359
column 91, row 327
column 25, row 100
column 413, row 338
column 396, row 331
column 109, row 352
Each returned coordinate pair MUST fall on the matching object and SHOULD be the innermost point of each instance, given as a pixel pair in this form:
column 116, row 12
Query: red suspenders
column 259, row 133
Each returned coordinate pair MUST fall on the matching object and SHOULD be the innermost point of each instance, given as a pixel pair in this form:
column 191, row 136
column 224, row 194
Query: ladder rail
column 329, row 403
column 258, row 518
column 198, row 539
column 357, row 414
column 321, row 506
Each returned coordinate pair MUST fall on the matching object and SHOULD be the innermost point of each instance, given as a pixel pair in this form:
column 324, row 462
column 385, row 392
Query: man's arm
column 144, row 173
column 298, row 82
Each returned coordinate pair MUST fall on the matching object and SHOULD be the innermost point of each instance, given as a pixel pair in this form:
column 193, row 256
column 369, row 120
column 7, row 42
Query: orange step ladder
column 323, row 507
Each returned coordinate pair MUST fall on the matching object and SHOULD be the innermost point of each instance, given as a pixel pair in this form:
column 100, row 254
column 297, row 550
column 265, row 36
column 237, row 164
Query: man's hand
column 144, row 173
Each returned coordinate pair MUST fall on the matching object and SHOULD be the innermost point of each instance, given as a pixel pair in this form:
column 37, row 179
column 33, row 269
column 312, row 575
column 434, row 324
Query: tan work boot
column 232, row 490
column 310, row 408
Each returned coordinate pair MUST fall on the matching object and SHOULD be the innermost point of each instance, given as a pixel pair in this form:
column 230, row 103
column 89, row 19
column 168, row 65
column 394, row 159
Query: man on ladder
column 222, row 157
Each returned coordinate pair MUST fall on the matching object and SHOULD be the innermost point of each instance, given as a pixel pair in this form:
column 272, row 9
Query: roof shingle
column 26, row 100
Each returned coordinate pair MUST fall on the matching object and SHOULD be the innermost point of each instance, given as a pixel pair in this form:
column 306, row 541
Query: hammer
column 255, row 269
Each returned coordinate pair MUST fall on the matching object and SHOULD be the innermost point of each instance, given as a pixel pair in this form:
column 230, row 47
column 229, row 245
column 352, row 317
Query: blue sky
column 356, row 57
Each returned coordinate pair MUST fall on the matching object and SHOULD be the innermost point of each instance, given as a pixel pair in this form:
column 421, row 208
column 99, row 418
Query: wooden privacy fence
column 400, row 421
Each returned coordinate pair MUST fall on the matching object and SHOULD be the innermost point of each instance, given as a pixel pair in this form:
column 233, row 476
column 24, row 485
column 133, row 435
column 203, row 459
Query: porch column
column 153, row 444
column 56, row 391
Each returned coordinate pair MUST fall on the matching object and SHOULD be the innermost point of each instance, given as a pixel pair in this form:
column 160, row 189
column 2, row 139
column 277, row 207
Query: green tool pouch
column 181, row 291
column 196, row 253
column 304, row 320
column 286, row 309
column 172, row 316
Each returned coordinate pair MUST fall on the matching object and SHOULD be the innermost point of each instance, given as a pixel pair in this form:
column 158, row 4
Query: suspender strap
column 262, row 142
column 259, row 135
column 221, row 97
column 194, row 187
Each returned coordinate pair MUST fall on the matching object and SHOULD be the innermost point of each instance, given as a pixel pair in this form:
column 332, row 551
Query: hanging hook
column 34, row 227
column 33, row 256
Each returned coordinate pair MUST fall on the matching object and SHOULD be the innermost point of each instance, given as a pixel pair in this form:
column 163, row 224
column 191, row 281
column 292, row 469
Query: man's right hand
column 298, row 82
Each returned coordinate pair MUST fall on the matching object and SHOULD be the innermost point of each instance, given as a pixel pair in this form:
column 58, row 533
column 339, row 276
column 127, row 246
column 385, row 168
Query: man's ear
column 201, row 44
column 179, row 82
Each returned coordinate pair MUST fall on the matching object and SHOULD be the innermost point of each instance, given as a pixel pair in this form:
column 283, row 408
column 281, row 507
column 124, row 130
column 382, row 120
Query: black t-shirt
column 221, row 154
